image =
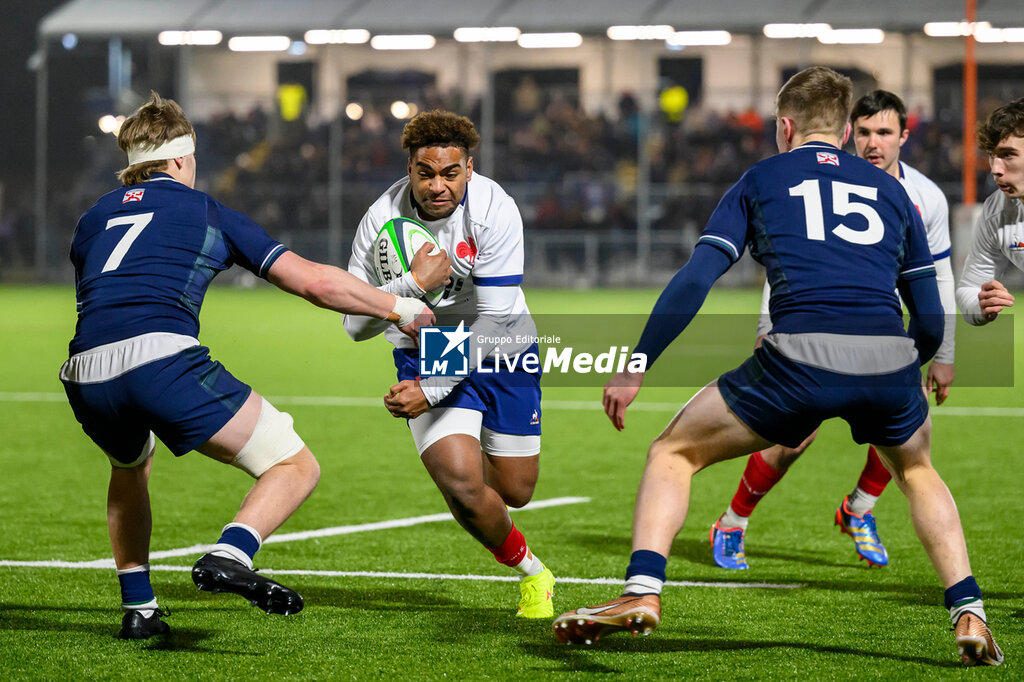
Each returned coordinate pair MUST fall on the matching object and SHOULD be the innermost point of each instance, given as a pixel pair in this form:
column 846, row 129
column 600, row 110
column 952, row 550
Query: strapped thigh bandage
column 272, row 441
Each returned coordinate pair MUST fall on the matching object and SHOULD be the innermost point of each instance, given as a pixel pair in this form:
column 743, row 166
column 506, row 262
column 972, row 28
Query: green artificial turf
column 843, row 621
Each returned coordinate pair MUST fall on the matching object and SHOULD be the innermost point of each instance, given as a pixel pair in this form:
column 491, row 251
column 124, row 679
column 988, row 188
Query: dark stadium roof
column 440, row 17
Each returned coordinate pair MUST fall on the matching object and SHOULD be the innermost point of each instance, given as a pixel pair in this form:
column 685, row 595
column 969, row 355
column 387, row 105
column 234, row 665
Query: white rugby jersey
column 483, row 238
column 998, row 242
column 932, row 205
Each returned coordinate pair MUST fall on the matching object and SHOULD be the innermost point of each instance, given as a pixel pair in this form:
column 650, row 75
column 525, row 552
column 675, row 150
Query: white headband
column 172, row 149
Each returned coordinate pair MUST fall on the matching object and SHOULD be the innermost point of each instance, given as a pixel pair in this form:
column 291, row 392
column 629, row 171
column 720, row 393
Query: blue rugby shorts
column 509, row 401
column 784, row 401
column 184, row 399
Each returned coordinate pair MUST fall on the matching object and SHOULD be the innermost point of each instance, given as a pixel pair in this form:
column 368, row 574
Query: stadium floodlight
column 795, row 30
column 988, row 34
column 111, row 124
column 691, row 38
column 982, row 31
column 259, row 43
column 658, row 32
column 400, row 109
column 852, row 36
column 190, row 37
column 403, row 42
column 343, row 36
column 540, row 40
column 998, row 35
column 354, row 111
column 69, row 41
column 487, row 34
column 947, row 29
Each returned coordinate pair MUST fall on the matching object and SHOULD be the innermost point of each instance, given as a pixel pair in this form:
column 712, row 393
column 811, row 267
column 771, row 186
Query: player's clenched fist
column 993, row 297
column 431, row 271
column 406, row 399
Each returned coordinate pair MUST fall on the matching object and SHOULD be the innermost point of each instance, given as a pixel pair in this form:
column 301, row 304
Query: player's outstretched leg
column 514, row 478
column 455, row 464
column 704, row 432
column 728, row 532
column 937, row 524
column 260, row 441
column 854, row 516
column 536, row 581
column 130, row 523
column 764, row 469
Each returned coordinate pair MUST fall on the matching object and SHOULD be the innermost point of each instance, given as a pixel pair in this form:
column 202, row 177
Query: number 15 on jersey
column 810, row 192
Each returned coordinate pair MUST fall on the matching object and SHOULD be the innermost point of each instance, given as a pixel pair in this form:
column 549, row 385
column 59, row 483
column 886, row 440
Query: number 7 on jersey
column 138, row 223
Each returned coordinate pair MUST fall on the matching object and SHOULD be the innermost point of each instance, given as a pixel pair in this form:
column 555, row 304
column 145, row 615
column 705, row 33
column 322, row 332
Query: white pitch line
column 576, row 405
column 364, row 527
column 413, row 576
column 318, row 533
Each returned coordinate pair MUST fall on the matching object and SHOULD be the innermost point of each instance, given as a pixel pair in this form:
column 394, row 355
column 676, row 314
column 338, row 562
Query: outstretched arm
column 681, row 299
column 676, row 307
column 333, row 288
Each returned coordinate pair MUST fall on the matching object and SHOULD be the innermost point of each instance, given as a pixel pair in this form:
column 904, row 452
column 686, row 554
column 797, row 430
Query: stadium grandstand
column 616, row 128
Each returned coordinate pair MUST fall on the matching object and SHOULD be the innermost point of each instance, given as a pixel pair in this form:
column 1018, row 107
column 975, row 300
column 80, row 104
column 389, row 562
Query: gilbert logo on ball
column 394, row 248
column 444, row 351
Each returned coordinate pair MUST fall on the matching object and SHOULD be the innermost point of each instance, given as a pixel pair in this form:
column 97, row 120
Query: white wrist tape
column 172, row 149
column 407, row 309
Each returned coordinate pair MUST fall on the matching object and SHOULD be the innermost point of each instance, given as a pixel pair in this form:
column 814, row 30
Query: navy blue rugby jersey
column 834, row 234
column 145, row 255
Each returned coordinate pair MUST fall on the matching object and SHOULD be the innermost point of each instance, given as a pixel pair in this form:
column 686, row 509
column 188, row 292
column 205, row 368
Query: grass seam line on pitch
column 580, row 405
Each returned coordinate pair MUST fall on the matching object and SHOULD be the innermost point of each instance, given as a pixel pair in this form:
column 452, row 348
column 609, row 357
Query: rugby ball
column 393, row 250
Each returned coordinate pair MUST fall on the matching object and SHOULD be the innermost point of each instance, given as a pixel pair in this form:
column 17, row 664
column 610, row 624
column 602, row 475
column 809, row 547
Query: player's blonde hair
column 157, row 121
column 817, row 99
column 438, row 128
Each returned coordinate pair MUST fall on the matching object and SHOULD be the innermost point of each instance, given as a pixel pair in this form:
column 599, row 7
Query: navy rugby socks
column 136, row 590
column 646, row 572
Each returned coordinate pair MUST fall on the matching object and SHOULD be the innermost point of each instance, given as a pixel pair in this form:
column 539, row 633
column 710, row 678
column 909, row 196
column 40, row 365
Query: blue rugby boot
column 727, row 547
column 865, row 535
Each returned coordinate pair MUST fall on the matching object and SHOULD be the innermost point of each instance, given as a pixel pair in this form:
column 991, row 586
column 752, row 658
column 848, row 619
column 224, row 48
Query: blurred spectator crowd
column 567, row 169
